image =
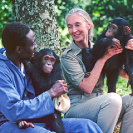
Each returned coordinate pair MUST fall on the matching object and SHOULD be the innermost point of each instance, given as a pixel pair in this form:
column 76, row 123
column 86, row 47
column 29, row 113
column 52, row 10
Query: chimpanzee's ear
column 33, row 59
column 126, row 30
column 36, row 54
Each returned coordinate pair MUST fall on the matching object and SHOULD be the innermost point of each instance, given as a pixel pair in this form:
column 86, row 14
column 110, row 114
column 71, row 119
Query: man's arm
column 14, row 108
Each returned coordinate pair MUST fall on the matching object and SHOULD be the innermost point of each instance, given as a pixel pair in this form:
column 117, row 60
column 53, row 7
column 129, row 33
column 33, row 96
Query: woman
column 86, row 93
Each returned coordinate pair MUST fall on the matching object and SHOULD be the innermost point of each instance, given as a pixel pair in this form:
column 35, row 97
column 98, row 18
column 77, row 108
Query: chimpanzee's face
column 48, row 62
column 112, row 30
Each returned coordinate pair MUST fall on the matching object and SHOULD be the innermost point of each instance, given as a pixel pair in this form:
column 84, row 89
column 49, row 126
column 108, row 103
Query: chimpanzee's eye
column 52, row 59
column 114, row 27
column 46, row 58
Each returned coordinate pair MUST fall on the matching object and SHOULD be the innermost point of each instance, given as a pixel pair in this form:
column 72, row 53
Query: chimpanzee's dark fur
column 42, row 82
column 113, row 65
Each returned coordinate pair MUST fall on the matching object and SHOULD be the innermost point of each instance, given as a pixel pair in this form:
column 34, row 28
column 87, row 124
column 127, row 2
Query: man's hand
column 58, row 89
column 24, row 125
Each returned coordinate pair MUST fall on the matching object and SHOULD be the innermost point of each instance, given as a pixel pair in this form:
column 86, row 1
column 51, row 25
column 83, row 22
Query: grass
column 121, row 86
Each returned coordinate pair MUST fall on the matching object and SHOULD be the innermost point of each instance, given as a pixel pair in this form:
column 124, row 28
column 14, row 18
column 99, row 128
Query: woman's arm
column 87, row 84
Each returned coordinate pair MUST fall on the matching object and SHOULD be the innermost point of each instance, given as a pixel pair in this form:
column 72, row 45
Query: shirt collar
column 4, row 57
column 75, row 49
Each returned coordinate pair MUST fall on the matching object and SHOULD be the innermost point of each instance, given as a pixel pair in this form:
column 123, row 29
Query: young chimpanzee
column 118, row 28
column 45, row 70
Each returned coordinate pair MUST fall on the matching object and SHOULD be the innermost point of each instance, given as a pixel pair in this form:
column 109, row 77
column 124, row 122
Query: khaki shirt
column 74, row 70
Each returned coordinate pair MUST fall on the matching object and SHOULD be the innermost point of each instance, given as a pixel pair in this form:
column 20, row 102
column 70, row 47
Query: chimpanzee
column 118, row 28
column 45, row 70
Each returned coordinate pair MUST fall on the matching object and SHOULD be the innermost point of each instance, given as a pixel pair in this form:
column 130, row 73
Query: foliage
column 5, row 14
column 101, row 12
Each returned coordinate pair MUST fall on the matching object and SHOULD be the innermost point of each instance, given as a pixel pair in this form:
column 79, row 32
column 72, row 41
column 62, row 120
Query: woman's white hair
column 87, row 18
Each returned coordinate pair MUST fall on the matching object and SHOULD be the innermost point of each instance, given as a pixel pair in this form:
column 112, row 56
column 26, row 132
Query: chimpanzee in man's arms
column 45, row 70
column 118, row 28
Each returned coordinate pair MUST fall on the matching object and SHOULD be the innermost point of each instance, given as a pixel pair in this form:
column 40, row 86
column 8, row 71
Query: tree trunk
column 39, row 15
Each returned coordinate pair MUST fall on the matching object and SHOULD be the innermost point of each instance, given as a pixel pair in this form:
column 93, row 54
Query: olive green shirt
column 74, row 70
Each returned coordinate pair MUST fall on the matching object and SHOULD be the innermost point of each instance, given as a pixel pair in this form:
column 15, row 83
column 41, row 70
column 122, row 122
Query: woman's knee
column 115, row 100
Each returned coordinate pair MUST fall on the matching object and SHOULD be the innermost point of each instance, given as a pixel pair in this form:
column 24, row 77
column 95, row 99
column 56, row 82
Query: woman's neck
column 82, row 45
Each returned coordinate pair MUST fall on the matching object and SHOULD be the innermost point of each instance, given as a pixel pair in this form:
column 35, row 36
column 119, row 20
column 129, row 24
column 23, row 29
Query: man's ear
column 126, row 30
column 18, row 49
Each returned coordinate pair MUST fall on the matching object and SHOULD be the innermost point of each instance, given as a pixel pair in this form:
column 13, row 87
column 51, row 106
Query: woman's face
column 78, row 28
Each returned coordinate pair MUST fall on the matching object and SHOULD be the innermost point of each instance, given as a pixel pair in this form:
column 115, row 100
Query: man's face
column 29, row 49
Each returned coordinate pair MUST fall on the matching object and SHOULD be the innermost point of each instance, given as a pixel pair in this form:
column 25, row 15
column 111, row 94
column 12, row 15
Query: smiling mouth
column 77, row 35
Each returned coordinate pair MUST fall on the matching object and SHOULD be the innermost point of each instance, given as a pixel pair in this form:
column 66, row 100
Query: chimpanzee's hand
column 129, row 44
column 87, row 75
column 58, row 89
column 24, row 125
column 116, row 43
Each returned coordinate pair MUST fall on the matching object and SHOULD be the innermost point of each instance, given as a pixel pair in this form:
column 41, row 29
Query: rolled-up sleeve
column 72, row 69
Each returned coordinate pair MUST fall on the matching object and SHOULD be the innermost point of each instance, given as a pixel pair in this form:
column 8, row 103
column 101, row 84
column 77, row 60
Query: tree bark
column 39, row 15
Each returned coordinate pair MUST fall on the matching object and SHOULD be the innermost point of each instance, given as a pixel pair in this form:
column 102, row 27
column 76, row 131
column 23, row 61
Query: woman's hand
column 129, row 44
column 111, row 51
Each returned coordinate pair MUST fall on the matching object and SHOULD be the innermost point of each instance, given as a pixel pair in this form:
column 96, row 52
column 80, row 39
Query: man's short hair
column 13, row 35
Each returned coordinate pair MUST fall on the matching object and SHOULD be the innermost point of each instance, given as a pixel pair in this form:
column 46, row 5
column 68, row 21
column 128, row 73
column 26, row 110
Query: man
column 17, row 96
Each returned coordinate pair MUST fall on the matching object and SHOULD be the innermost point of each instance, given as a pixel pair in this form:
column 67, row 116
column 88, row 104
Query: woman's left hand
column 129, row 44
